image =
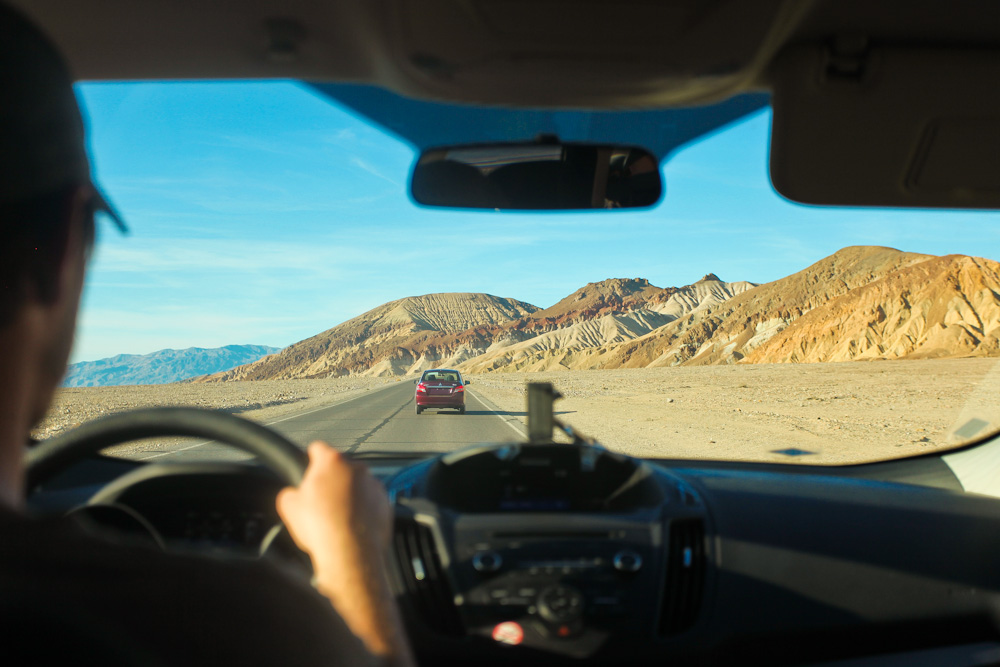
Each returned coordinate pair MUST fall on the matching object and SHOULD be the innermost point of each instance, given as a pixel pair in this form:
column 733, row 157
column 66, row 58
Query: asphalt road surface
column 382, row 421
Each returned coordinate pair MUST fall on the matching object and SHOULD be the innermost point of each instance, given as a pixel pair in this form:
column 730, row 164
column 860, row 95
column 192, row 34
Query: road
column 381, row 421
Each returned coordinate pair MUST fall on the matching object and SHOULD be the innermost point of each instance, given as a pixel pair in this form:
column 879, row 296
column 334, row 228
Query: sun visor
column 887, row 127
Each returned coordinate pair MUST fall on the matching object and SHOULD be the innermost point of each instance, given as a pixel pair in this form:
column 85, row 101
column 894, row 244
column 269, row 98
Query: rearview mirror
column 537, row 176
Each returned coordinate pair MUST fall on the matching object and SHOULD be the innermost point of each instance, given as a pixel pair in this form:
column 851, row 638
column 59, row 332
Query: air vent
column 426, row 587
column 685, row 576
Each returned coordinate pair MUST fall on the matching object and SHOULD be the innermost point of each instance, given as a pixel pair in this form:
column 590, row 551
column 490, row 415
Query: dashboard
column 553, row 549
column 551, row 554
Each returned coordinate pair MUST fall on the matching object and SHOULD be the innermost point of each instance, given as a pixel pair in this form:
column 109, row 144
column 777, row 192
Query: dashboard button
column 627, row 561
column 508, row 632
column 487, row 561
column 560, row 604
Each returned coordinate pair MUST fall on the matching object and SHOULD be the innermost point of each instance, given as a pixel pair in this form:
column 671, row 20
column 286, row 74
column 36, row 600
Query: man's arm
column 341, row 516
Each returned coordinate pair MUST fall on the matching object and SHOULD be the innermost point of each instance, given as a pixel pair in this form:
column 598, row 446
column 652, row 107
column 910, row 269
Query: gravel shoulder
column 837, row 413
column 261, row 401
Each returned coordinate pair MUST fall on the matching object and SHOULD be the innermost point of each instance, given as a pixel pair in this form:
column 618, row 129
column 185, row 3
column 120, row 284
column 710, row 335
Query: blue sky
column 264, row 213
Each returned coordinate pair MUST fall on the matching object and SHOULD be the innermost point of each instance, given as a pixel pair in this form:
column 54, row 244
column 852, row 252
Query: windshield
column 278, row 269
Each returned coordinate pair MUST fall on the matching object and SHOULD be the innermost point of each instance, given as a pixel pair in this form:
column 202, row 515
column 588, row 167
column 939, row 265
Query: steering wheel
column 286, row 461
column 276, row 452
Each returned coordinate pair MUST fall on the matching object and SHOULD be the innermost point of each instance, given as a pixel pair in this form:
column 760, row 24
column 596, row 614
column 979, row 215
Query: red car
column 441, row 388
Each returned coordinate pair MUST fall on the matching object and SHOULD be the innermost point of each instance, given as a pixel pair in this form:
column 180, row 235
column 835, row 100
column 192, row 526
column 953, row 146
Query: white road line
column 271, row 423
column 519, row 432
column 329, row 405
column 174, row 451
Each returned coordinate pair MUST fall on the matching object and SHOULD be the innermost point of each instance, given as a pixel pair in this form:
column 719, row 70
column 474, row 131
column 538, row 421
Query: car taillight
column 421, row 389
column 458, row 388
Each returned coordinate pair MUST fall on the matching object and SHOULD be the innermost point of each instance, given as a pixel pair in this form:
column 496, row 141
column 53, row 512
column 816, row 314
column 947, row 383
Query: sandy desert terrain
column 838, row 412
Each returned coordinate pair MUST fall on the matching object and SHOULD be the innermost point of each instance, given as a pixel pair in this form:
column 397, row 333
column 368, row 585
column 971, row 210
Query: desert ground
column 847, row 412
column 836, row 413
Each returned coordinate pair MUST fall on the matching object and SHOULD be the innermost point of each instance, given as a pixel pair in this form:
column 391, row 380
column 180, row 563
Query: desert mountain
column 859, row 303
column 608, row 296
column 162, row 366
column 942, row 307
column 616, row 311
column 389, row 340
column 484, row 332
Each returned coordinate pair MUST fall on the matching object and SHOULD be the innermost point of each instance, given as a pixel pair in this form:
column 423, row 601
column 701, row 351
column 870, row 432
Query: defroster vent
column 426, row 586
column 685, row 576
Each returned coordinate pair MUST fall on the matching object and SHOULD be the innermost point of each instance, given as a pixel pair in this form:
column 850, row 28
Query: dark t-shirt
column 68, row 593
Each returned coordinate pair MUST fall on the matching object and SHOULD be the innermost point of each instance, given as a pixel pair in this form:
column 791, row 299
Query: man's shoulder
column 198, row 606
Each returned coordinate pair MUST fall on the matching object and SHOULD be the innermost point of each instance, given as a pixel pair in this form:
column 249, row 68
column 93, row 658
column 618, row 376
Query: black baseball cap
column 42, row 134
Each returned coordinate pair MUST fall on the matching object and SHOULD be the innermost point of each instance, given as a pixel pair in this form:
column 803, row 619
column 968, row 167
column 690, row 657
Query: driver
column 90, row 598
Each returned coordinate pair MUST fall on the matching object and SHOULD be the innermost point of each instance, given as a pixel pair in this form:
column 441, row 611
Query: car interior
column 595, row 556
column 441, row 377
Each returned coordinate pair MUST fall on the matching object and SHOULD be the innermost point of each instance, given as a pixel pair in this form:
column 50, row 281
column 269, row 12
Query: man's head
column 47, row 207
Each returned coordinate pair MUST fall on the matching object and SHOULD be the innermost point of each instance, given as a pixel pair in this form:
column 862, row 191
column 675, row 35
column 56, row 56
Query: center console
column 552, row 547
column 549, row 585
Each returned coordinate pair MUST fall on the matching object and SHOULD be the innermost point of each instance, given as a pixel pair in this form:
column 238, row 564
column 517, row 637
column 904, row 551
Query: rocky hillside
column 615, row 312
column 859, row 303
column 941, row 307
column 479, row 332
column 162, row 366
column 394, row 339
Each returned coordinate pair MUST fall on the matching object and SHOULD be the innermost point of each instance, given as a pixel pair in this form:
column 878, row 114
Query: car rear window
column 440, row 377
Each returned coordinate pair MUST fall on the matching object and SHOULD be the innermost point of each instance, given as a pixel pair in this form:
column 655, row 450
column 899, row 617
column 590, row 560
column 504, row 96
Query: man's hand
column 338, row 510
column 340, row 516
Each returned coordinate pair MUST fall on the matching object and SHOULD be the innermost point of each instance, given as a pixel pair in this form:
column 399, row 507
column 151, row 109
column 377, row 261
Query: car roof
column 874, row 102
column 603, row 54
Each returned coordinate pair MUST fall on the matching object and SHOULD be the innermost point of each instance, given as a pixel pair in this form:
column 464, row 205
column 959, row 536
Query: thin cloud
column 219, row 255
column 373, row 170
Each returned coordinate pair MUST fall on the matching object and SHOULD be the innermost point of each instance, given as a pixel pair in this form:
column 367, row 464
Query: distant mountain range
column 862, row 302
column 162, row 366
column 481, row 332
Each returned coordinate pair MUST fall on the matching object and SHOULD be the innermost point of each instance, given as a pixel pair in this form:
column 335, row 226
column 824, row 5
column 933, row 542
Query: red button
column 508, row 632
